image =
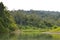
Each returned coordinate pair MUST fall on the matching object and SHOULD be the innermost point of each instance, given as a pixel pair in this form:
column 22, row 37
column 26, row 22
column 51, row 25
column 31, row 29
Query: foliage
column 34, row 19
column 38, row 19
column 6, row 20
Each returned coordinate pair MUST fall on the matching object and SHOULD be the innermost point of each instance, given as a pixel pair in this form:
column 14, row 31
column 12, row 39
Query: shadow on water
column 4, row 36
column 37, row 37
column 27, row 37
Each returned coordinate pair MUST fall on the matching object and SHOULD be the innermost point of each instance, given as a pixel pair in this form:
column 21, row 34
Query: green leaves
column 7, row 22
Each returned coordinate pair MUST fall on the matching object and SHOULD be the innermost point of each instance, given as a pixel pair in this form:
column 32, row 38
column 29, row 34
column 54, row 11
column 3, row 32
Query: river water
column 29, row 36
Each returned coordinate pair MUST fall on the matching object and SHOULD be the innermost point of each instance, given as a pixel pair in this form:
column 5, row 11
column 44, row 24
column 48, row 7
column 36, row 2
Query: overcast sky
column 49, row 5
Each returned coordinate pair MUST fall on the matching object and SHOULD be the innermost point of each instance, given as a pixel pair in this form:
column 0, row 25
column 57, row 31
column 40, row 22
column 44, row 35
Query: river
column 41, row 36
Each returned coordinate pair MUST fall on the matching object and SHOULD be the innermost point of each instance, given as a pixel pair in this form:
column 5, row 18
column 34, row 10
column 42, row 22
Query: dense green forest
column 32, row 19
column 37, row 19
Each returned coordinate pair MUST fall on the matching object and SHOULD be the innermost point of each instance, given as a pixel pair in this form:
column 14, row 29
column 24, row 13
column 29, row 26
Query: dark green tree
column 7, row 22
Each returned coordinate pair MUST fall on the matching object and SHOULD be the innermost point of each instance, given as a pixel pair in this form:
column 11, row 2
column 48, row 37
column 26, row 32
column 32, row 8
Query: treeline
column 35, row 18
column 18, row 19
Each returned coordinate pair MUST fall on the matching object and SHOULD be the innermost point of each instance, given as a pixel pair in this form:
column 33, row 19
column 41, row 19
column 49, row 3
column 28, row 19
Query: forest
column 25, row 20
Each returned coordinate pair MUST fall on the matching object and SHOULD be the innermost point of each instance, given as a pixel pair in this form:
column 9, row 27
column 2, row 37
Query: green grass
column 30, row 31
column 55, row 30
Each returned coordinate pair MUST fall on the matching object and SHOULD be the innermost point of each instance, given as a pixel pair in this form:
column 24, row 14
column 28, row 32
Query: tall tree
column 6, row 20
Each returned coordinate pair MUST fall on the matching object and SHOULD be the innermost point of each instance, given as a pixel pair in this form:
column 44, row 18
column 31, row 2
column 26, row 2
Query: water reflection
column 28, row 37
column 4, row 36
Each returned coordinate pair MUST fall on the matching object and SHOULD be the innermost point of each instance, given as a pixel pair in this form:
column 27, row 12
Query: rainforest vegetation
column 28, row 20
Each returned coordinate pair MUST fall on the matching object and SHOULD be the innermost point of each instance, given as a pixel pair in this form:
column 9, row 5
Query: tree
column 7, row 22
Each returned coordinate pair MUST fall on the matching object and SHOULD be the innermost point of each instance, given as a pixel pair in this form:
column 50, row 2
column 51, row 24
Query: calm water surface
column 29, row 36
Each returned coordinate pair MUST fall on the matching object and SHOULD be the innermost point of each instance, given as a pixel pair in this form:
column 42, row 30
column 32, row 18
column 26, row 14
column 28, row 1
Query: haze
column 49, row 5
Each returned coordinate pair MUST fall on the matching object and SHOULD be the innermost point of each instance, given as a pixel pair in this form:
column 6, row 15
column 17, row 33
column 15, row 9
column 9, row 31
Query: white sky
column 49, row 5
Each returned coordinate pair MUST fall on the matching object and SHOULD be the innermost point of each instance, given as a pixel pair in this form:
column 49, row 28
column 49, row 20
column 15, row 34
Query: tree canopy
column 7, row 22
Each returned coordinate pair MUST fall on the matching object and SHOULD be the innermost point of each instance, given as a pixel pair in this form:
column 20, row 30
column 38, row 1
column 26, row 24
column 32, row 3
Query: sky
column 49, row 5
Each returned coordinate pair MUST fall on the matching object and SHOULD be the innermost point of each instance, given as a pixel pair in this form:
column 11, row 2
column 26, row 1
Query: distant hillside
column 40, row 19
